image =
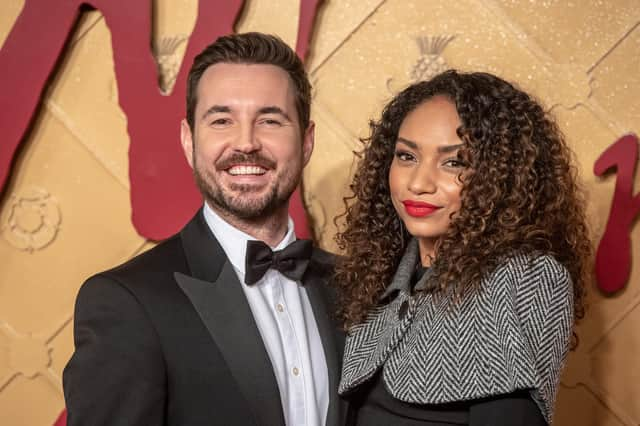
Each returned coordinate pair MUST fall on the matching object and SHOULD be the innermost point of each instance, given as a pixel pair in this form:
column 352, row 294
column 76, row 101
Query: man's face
column 247, row 150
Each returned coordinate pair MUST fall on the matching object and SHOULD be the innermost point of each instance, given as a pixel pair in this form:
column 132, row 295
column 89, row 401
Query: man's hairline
column 247, row 62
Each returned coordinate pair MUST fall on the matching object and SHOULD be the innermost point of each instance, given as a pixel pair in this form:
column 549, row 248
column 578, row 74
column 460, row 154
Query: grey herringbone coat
column 514, row 333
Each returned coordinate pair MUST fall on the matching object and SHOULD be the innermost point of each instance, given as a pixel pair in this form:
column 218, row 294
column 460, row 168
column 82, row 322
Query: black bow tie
column 292, row 261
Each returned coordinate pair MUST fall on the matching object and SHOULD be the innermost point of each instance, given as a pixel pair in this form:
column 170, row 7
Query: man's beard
column 238, row 200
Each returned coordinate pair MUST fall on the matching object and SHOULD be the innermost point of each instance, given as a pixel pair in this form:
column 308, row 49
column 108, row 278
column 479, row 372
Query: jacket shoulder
column 158, row 263
column 323, row 257
column 524, row 270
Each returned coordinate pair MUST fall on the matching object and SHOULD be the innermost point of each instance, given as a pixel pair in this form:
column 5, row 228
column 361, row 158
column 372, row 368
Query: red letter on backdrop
column 163, row 196
column 613, row 257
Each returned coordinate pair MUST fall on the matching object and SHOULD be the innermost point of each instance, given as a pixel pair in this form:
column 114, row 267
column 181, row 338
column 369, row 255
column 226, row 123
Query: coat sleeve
column 116, row 375
column 545, row 306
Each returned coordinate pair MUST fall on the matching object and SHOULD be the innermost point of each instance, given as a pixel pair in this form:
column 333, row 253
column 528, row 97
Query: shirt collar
column 234, row 241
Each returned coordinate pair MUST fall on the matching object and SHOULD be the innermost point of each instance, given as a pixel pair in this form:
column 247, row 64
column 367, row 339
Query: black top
column 372, row 405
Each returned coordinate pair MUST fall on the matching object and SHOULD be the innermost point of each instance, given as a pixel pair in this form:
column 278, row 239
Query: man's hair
column 251, row 48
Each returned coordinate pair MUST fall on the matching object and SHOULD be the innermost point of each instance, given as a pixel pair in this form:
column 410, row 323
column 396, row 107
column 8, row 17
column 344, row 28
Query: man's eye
column 271, row 122
column 220, row 121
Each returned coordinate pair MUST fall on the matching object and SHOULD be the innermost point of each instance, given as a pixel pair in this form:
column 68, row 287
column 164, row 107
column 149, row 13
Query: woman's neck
column 427, row 251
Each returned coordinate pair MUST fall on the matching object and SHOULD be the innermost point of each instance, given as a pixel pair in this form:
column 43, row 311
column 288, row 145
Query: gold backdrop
column 581, row 58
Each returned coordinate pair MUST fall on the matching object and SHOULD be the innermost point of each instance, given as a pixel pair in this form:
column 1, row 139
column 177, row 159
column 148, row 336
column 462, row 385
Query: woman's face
column 423, row 178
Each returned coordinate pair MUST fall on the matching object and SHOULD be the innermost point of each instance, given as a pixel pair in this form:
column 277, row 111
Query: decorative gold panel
column 617, row 80
column 9, row 11
column 580, row 32
column 66, row 212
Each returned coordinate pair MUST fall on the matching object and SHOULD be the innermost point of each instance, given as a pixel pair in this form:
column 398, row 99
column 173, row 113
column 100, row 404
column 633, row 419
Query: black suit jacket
column 168, row 338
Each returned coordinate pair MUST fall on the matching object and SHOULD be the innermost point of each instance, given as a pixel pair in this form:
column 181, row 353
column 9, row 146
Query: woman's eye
column 455, row 163
column 403, row 156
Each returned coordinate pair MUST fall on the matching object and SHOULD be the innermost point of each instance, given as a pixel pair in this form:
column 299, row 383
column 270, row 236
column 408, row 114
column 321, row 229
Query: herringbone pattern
column 512, row 334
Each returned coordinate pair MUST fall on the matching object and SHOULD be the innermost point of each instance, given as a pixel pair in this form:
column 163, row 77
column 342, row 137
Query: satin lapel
column 217, row 296
column 317, row 287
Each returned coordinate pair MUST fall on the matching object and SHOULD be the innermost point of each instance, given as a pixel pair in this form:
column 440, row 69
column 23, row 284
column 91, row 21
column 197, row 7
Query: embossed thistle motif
column 168, row 61
column 32, row 220
column 431, row 61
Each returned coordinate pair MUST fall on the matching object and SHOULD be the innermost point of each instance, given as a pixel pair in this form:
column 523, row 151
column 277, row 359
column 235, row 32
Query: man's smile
column 240, row 170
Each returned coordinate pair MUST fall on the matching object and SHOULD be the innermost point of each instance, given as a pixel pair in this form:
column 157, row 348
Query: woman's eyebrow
column 444, row 149
column 410, row 144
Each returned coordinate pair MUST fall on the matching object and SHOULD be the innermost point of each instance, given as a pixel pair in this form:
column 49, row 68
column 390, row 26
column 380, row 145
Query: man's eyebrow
column 410, row 144
column 215, row 108
column 272, row 109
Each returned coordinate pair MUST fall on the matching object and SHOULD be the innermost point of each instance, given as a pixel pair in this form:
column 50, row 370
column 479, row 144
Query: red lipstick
column 418, row 208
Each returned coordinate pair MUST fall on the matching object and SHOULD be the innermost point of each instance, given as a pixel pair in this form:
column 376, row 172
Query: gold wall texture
column 66, row 212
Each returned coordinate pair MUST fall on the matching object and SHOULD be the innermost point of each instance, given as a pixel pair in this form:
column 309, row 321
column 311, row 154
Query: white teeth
column 246, row 170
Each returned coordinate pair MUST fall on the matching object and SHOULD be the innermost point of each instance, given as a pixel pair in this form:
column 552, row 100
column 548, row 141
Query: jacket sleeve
column 545, row 307
column 116, row 375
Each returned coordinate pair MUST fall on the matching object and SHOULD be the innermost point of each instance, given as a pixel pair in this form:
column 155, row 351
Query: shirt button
column 402, row 312
column 279, row 307
column 295, row 371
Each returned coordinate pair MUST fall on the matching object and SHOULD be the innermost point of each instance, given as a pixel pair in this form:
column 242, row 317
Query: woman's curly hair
column 519, row 194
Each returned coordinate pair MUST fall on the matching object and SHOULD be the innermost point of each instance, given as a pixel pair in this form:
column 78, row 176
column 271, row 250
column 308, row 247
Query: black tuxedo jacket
column 168, row 338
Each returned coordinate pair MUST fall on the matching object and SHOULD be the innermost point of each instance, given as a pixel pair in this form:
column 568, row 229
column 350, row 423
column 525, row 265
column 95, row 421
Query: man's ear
column 186, row 139
column 308, row 140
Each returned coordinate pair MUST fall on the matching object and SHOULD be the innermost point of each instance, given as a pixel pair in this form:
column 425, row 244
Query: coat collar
column 401, row 281
column 323, row 302
column 216, row 294
column 204, row 254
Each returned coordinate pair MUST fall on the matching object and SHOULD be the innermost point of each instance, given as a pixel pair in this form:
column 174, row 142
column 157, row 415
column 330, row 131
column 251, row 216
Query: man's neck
column 270, row 229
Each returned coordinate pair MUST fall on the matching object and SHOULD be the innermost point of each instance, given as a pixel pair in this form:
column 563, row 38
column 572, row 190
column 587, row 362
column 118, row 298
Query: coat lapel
column 217, row 296
column 316, row 283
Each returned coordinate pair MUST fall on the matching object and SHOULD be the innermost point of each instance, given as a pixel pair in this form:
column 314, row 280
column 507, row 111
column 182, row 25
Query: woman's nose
column 423, row 180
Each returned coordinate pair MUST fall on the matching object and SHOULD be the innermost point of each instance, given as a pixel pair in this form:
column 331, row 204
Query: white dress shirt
column 285, row 319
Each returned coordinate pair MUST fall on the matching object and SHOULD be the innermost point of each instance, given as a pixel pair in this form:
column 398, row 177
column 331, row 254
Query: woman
column 466, row 257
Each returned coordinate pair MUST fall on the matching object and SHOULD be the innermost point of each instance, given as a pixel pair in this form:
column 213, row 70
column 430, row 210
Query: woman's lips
column 418, row 208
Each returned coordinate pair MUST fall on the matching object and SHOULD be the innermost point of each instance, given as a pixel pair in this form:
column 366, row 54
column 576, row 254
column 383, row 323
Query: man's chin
column 248, row 213
column 247, row 209
column 245, row 201
column 244, row 190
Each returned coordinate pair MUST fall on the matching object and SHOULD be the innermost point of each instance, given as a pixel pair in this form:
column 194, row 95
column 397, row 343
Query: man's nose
column 247, row 140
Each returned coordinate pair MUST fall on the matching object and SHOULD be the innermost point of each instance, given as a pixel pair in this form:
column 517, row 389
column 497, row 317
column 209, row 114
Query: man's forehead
column 224, row 73
column 260, row 84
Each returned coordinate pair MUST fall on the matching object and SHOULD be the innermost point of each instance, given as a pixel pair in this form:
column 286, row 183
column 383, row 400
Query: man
column 211, row 327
